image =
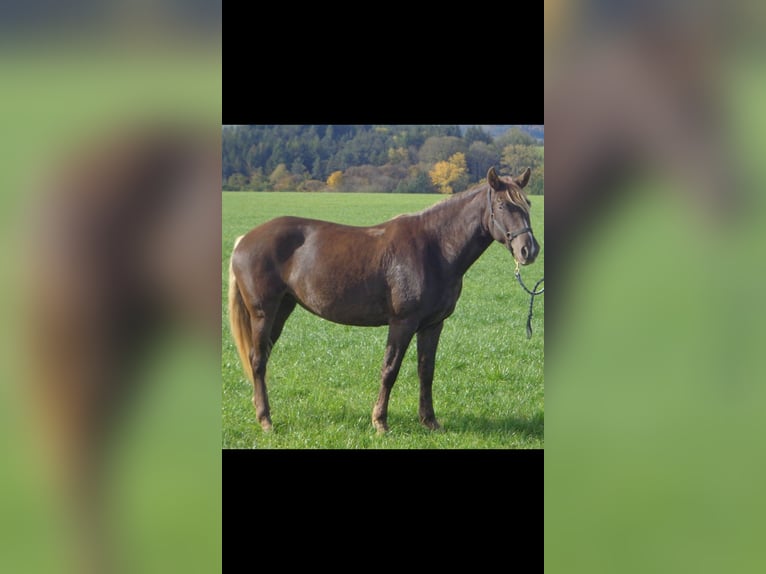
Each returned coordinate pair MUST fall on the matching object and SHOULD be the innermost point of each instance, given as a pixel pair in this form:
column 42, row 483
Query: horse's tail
column 239, row 320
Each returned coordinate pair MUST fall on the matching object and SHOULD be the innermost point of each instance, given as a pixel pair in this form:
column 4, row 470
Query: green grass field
column 323, row 378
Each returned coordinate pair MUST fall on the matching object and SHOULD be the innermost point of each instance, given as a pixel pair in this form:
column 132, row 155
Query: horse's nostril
column 525, row 252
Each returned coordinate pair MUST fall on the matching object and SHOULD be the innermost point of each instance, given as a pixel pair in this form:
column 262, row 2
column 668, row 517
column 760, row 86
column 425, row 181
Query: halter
column 532, row 292
column 508, row 234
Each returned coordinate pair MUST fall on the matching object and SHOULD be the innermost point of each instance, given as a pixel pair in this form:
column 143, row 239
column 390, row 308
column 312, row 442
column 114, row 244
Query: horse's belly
column 361, row 318
column 358, row 312
column 351, row 304
column 337, row 276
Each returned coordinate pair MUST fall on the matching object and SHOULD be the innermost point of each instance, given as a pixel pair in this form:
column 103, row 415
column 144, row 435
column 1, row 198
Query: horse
column 405, row 273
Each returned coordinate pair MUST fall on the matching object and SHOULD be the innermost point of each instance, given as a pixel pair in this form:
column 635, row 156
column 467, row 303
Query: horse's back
column 333, row 270
column 278, row 239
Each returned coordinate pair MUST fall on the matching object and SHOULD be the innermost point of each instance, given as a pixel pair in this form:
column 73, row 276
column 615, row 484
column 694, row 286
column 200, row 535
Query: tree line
column 377, row 158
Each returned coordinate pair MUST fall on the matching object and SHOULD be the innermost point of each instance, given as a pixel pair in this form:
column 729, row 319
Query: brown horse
column 406, row 273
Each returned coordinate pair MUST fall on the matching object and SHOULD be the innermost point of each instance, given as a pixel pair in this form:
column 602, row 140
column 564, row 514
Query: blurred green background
column 165, row 479
column 655, row 382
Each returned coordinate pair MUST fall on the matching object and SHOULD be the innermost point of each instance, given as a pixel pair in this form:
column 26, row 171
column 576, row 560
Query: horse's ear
column 493, row 180
column 523, row 179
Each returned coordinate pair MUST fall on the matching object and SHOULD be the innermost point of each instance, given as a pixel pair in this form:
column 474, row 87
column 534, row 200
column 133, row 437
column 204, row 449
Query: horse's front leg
column 428, row 339
column 399, row 337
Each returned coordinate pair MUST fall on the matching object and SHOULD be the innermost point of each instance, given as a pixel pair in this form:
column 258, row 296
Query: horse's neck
column 461, row 229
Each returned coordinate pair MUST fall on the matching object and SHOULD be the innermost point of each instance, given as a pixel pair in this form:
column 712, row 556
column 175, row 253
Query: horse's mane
column 451, row 200
column 515, row 196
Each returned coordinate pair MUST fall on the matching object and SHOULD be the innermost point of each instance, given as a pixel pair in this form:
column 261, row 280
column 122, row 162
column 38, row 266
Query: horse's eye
column 501, row 206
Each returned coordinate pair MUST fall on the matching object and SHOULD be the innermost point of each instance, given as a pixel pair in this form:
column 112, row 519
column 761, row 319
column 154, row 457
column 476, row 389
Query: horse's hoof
column 381, row 427
column 266, row 425
column 431, row 424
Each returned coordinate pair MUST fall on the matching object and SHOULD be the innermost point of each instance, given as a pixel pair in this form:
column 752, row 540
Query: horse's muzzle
column 527, row 252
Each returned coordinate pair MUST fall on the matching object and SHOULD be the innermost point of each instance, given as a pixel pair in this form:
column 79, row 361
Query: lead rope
column 533, row 293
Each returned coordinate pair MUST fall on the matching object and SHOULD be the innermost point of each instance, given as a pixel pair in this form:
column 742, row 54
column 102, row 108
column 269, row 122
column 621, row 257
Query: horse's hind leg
column 259, row 356
column 261, row 321
column 285, row 308
column 266, row 323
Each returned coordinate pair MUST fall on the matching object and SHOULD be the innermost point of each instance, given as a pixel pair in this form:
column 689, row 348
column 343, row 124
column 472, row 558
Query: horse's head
column 509, row 215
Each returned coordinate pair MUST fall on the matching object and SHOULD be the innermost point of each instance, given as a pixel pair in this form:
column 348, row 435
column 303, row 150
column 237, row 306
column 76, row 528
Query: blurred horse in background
column 667, row 332
column 632, row 90
column 124, row 243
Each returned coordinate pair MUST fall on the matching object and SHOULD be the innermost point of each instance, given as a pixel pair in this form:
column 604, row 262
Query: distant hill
column 496, row 130
column 373, row 158
column 535, row 131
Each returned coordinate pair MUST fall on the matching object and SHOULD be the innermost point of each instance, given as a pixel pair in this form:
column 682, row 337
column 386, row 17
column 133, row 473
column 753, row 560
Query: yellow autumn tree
column 450, row 175
column 335, row 180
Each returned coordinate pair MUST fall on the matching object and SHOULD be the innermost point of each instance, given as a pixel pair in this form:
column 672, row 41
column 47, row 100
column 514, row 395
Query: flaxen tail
column 239, row 320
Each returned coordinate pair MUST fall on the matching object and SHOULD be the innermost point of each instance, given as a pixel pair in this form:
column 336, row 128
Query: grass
column 323, row 378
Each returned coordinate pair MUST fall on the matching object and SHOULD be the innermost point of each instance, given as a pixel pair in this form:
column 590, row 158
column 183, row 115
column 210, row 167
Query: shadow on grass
column 471, row 430
column 532, row 428
column 352, row 428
